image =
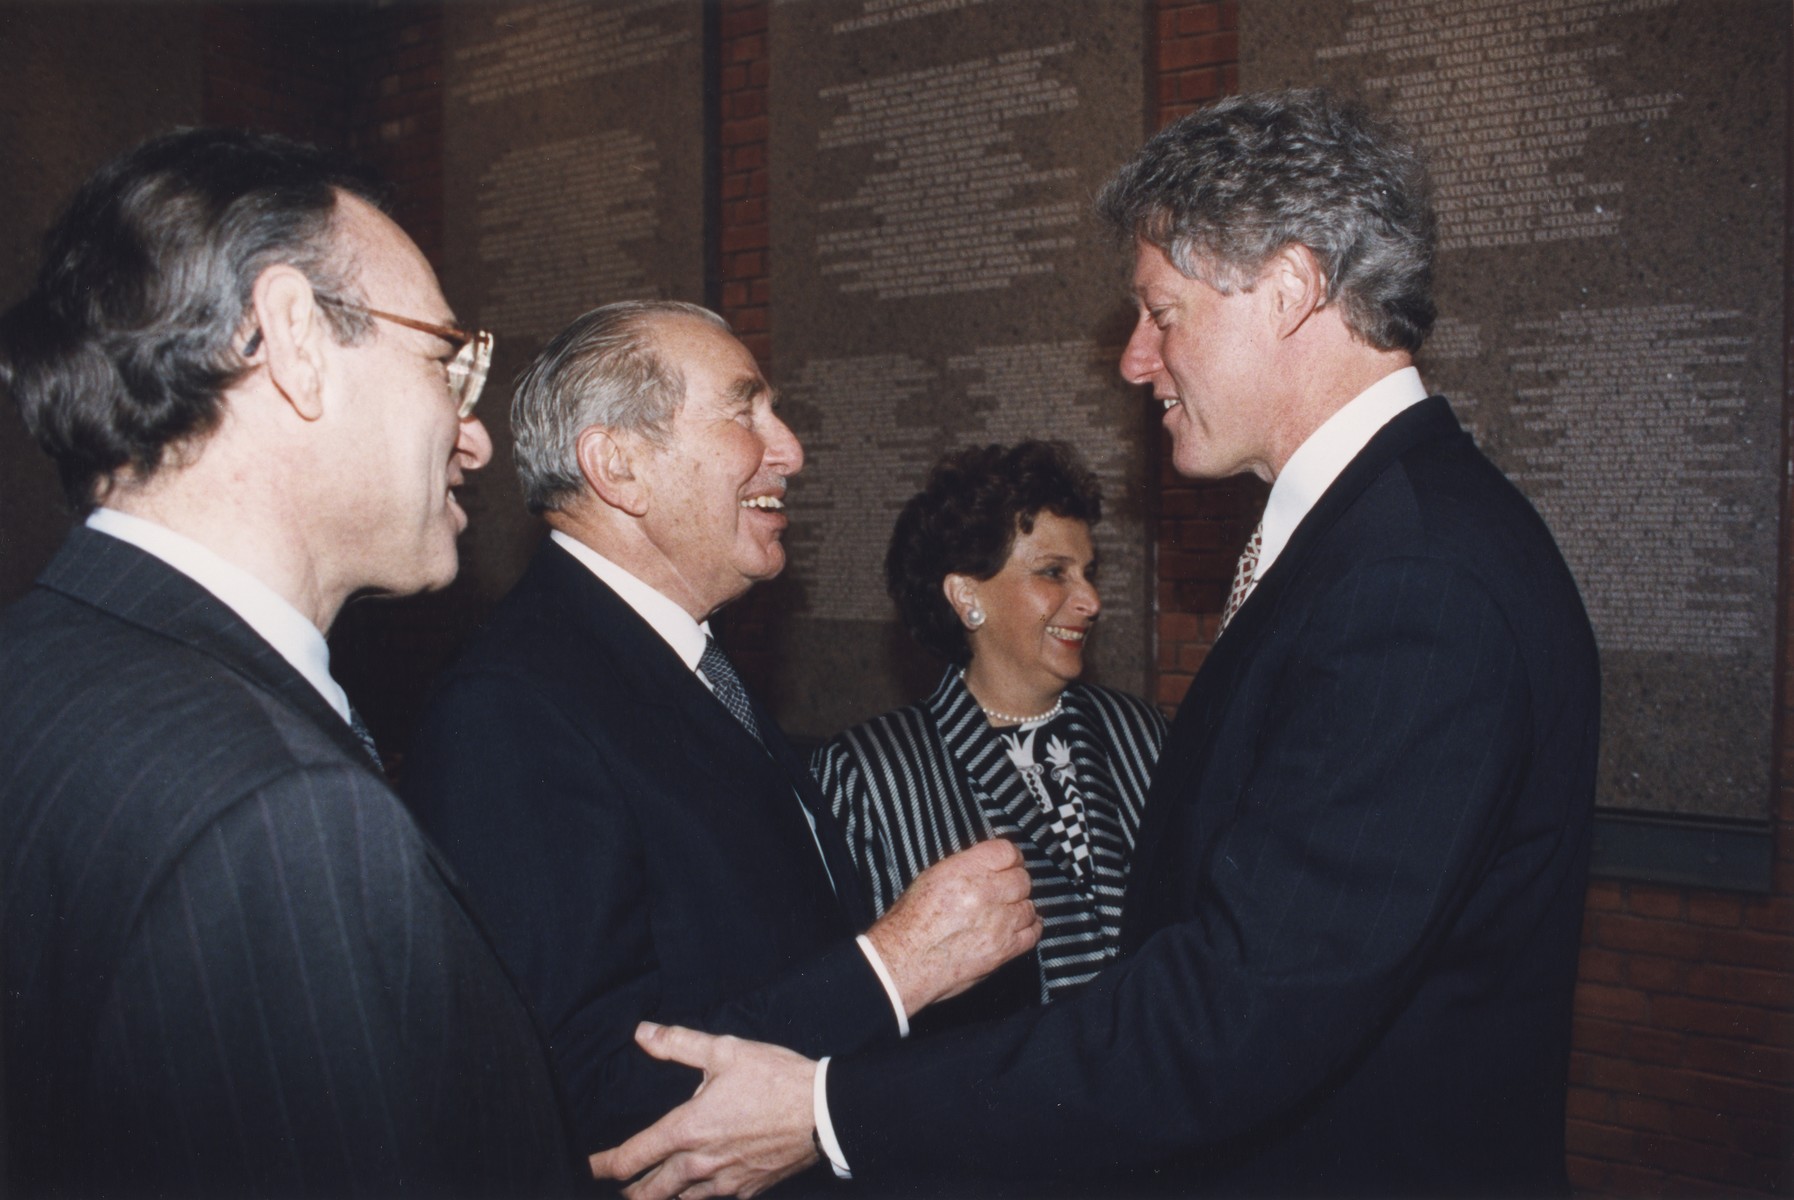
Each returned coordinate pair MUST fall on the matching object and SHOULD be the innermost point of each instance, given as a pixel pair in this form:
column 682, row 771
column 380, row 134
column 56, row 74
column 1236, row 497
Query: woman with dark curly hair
column 991, row 566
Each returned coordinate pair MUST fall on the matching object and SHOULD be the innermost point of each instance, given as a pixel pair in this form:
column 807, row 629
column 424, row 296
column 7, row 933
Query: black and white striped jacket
column 914, row 785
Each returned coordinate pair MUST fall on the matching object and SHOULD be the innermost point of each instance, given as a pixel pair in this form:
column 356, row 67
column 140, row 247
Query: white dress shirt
column 687, row 637
column 1318, row 461
column 262, row 609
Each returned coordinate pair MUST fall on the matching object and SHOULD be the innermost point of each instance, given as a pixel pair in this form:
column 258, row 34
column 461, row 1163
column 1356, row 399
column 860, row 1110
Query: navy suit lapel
column 828, row 835
column 140, row 588
column 720, row 746
column 1188, row 743
column 1431, row 418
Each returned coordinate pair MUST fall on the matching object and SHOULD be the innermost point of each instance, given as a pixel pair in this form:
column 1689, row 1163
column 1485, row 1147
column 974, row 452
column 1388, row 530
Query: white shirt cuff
column 884, row 976
column 825, row 1128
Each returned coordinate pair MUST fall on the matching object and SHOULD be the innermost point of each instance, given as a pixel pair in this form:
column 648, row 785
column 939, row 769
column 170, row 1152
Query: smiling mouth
column 773, row 503
column 1170, row 402
column 1066, row 633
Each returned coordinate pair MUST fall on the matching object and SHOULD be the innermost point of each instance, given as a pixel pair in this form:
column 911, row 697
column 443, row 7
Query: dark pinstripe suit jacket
column 232, row 963
column 917, row 784
column 1354, row 915
column 638, row 854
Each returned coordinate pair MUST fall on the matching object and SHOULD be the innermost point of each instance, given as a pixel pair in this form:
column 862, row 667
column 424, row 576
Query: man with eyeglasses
column 232, row 964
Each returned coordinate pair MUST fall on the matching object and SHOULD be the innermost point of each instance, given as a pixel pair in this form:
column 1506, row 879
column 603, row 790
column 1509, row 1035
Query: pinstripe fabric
column 232, row 964
column 917, row 784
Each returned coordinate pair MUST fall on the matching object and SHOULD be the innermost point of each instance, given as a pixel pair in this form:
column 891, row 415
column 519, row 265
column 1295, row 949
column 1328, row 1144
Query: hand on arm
column 957, row 922
column 748, row 1127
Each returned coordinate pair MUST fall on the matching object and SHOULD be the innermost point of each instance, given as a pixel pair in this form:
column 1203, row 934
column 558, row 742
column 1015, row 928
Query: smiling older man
column 642, row 839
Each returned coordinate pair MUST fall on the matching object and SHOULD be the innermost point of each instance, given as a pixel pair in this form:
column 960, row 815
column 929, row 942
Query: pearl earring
column 974, row 616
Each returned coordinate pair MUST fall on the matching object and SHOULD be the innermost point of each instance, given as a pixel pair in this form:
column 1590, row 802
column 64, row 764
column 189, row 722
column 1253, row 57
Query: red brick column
column 748, row 627
column 743, row 238
column 1202, row 527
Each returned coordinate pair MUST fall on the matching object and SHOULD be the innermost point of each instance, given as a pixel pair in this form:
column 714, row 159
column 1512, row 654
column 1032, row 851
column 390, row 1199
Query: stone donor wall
column 573, row 157
column 1610, row 185
column 938, row 281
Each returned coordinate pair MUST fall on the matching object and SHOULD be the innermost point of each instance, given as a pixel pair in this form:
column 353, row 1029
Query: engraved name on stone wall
column 1610, row 186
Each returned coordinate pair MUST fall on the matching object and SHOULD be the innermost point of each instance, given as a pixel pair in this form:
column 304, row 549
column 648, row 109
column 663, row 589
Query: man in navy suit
column 1351, row 931
column 639, row 834
column 232, row 964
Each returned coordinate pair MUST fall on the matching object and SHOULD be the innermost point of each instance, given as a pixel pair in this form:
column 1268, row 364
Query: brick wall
column 1679, row 1080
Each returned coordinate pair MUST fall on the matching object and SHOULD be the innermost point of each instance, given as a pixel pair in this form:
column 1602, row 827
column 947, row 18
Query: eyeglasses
column 473, row 351
column 466, row 371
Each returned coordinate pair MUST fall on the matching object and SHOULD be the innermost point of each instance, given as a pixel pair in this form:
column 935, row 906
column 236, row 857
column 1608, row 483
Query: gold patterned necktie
column 1242, row 574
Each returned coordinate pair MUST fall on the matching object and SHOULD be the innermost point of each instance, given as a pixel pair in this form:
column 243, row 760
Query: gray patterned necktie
column 727, row 685
column 365, row 736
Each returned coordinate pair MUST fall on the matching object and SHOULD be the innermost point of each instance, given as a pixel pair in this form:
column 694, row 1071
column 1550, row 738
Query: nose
column 473, row 445
column 784, row 453
column 1087, row 600
column 1140, row 361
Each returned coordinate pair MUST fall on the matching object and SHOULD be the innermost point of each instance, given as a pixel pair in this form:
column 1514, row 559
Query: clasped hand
column 751, row 1121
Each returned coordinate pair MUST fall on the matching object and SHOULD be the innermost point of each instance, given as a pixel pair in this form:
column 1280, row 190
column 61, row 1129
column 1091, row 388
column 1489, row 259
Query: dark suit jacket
column 1353, row 920
column 637, row 854
column 232, row 963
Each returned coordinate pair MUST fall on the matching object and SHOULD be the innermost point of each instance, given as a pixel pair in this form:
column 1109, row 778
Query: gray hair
column 1221, row 191
column 138, row 323
column 603, row 369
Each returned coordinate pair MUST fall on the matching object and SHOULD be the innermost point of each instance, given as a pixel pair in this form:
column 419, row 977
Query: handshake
column 752, row 1121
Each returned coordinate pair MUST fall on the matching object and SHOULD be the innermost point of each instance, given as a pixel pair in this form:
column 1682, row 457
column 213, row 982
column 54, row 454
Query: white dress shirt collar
column 262, row 609
column 665, row 617
column 1318, row 461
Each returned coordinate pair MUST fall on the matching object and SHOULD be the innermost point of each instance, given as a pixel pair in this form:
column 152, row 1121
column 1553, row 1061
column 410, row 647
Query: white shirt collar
column 262, row 609
column 1318, row 461
column 670, row 621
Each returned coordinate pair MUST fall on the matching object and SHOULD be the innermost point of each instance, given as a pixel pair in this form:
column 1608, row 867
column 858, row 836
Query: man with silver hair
column 1352, row 926
column 641, row 839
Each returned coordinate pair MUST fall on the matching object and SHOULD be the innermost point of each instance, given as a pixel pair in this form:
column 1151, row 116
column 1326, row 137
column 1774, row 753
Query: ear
column 293, row 333
column 1298, row 287
column 608, row 462
column 962, row 593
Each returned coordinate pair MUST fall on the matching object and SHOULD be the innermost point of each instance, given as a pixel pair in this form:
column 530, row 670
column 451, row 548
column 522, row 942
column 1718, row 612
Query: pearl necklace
column 1004, row 718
